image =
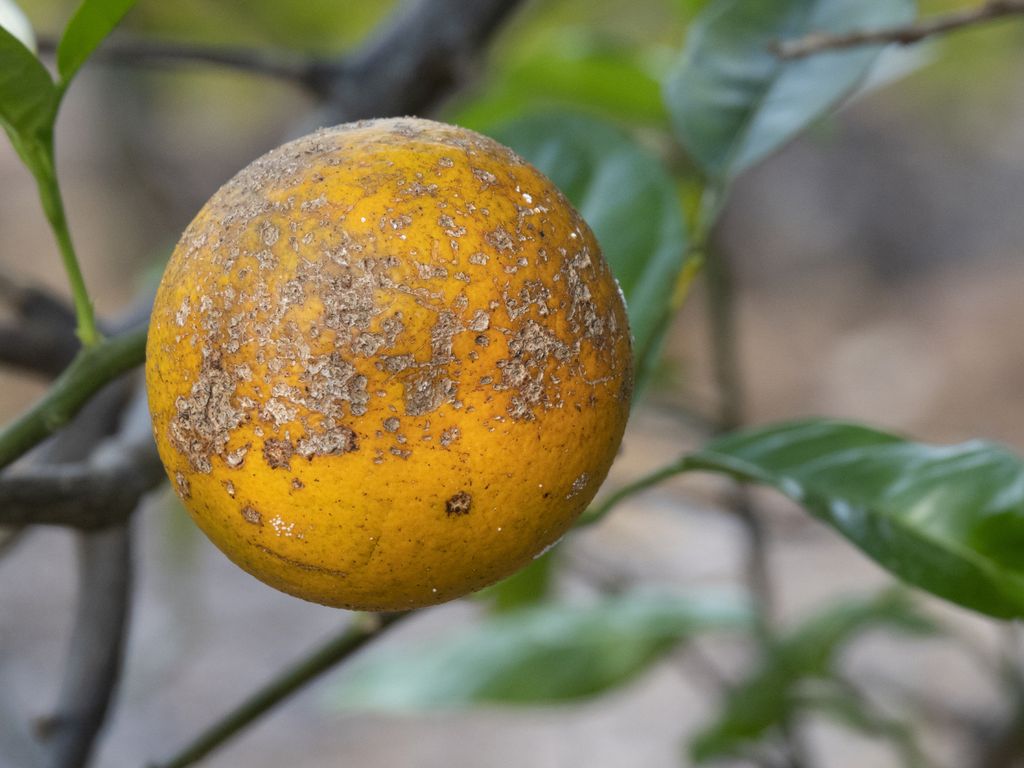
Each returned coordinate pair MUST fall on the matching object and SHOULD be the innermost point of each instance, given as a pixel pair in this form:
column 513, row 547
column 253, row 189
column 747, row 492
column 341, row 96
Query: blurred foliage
column 558, row 652
column 771, row 694
column 527, row 586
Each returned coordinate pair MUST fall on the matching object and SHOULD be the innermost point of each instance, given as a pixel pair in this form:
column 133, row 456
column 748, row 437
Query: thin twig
column 336, row 650
column 156, row 53
column 903, row 35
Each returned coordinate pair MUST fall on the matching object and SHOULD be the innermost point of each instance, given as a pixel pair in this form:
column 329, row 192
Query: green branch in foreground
column 364, row 629
column 92, row 368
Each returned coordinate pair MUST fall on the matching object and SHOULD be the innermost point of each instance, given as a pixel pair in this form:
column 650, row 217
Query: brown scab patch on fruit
column 297, row 484
column 332, row 441
column 525, row 373
column 252, row 515
column 203, row 421
column 235, row 459
column 426, row 391
column 458, row 505
column 578, row 485
column 332, row 380
column 278, row 453
column 450, row 435
column 392, row 424
column 183, row 486
column 229, row 487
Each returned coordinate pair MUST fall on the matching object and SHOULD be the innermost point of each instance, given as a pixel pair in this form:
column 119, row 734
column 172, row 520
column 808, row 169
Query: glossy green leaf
column 92, row 22
column 770, row 695
column 546, row 654
column 733, row 101
column 626, row 197
column 947, row 519
column 26, row 91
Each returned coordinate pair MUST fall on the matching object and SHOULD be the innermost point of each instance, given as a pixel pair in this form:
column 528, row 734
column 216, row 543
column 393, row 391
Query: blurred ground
column 880, row 272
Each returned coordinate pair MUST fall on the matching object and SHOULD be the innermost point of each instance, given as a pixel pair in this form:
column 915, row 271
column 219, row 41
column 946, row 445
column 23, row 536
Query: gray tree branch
column 95, row 652
column 41, row 335
column 414, row 62
column 97, row 644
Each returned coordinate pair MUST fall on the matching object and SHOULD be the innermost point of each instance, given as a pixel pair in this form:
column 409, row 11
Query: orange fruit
column 387, row 365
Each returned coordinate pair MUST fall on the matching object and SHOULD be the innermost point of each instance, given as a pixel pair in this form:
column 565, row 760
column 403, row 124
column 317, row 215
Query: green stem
column 92, row 368
column 45, row 172
column 288, row 682
column 597, row 512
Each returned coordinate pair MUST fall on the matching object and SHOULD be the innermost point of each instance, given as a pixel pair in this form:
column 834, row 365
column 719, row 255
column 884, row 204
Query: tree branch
column 93, row 664
column 87, row 495
column 97, row 641
column 902, row 35
column 43, row 338
column 91, row 369
column 413, row 62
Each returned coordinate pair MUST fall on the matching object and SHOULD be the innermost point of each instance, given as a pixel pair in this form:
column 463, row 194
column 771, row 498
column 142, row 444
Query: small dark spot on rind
column 252, row 515
column 278, row 453
column 458, row 505
column 297, row 484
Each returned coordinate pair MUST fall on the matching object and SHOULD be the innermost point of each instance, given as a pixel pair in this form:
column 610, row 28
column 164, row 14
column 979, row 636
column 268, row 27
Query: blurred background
column 879, row 273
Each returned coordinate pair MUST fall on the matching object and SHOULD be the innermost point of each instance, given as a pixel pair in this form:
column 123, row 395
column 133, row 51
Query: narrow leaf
column 13, row 19
column 626, row 197
column 947, row 519
column 733, row 101
column 26, row 91
column 546, row 654
column 92, row 22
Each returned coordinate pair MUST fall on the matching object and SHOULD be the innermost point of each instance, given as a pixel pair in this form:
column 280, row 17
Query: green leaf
column 92, row 22
column 770, row 695
column 626, row 197
column 609, row 81
column 733, row 101
column 947, row 519
column 546, row 654
column 527, row 586
column 13, row 19
column 27, row 93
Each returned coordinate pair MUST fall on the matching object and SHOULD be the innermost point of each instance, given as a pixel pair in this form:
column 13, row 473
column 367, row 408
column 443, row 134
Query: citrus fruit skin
column 387, row 365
